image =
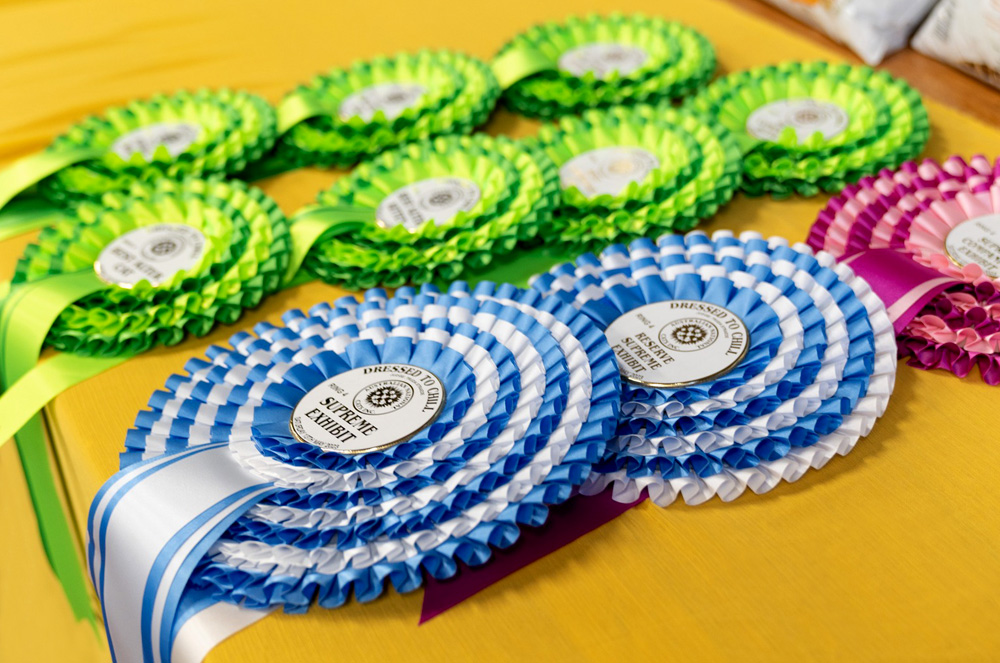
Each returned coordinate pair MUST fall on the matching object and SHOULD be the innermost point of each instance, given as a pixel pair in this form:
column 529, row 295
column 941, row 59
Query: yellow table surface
column 888, row 554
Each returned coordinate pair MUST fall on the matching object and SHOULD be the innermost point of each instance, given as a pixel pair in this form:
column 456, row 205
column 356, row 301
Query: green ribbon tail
column 298, row 107
column 22, row 216
column 520, row 63
column 31, row 169
column 311, row 224
column 37, row 387
column 25, row 319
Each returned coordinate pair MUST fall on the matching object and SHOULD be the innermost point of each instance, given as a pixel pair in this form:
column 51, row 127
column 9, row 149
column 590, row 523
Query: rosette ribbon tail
column 326, row 221
column 21, row 216
column 297, row 108
column 519, row 63
column 25, row 319
column 904, row 285
column 141, row 555
column 568, row 522
column 36, row 167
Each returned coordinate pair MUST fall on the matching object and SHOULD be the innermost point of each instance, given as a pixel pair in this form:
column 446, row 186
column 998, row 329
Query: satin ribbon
column 21, row 216
column 568, row 522
column 520, row 63
column 298, row 108
column 36, row 167
column 207, row 490
column 904, row 285
column 311, row 224
column 22, row 332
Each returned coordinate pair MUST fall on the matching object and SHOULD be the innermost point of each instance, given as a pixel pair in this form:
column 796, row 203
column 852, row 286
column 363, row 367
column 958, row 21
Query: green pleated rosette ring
column 428, row 210
column 807, row 127
column 630, row 172
column 556, row 69
column 206, row 132
column 355, row 112
column 139, row 270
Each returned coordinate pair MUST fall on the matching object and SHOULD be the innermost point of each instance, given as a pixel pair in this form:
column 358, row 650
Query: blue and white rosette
column 357, row 444
column 747, row 361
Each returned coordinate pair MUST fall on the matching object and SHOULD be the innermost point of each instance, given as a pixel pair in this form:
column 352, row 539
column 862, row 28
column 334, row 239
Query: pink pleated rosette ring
column 945, row 218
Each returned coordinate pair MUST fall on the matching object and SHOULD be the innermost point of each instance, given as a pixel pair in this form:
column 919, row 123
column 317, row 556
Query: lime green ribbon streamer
column 41, row 384
column 519, row 63
column 298, row 107
column 22, row 216
column 315, row 222
column 25, row 319
column 31, row 169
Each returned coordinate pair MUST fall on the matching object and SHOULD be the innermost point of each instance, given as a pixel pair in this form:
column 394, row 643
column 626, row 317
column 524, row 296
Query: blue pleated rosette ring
column 402, row 435
column 745, row 361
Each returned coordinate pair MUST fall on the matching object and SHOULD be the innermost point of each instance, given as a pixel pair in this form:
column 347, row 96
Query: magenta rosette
column 945, row 216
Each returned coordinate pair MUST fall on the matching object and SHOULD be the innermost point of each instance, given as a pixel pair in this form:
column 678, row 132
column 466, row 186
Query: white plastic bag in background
column 966, row 35
column 871, row 28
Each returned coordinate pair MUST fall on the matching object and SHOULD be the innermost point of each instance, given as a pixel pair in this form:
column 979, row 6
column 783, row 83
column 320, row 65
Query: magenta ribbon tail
column 904, row 285
column 567, row 522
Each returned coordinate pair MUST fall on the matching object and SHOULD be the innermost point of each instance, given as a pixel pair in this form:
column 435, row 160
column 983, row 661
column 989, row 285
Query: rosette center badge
column 151, row 253
column 678, row 342
column 976, row 241
column 174, row 137
column 392, row 99
column 435, row 199
column 806, row 116
column 368, row 409
column 602, row 60
column 607, row 170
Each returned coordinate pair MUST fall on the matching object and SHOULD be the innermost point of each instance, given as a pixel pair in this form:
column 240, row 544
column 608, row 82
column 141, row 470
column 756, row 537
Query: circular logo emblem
column 368, row 409
column 382, row 397
column 151, row 253
column 689, row 334
column 677, row 343
column 163, row 247
column 436, row 199
column 806, row 116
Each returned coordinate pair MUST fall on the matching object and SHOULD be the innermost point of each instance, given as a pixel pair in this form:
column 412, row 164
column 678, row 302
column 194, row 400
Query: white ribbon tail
column 149, row 526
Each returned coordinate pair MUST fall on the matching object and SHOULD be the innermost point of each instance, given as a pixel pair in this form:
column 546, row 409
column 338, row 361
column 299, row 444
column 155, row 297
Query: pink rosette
column 914, row 210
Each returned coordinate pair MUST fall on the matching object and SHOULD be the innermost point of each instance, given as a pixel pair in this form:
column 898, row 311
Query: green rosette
column 432, row 210
column 244, row 256
column 352, row 113
column 556, row 69
column 634, row 172
column 201, row 133
column 807, row 127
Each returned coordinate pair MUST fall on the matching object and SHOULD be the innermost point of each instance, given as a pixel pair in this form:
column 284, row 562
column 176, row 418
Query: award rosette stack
column 557, row 69
column 808, row 127
column 426, row 211
column 627, row 172
column 356, row 446
column 207, row 132
column 353, row 113
column 745, row 361
column 144, row 269
column 947, row 219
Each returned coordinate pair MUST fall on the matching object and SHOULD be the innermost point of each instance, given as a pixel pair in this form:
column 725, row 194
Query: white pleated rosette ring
column 745, row 361
column 400, row 436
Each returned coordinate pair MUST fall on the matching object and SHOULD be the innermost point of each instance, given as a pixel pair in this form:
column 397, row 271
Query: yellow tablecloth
column 889, row 554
